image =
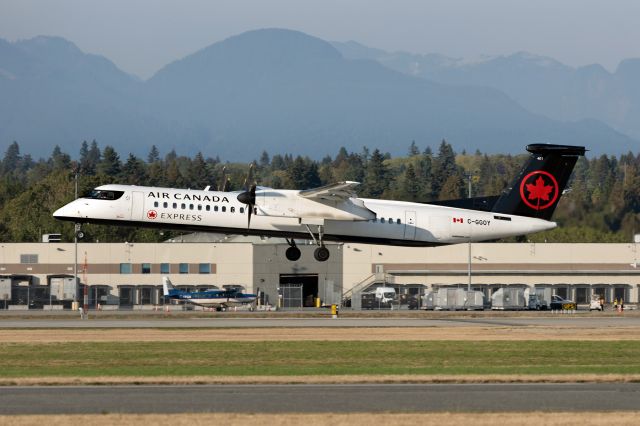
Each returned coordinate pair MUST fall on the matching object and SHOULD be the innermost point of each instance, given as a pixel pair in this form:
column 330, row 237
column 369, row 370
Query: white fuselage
column 216, row 302
column 284, row 213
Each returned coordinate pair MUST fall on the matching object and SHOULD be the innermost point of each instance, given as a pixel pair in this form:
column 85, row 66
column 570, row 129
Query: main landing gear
column 321, row 254
column 293, row 252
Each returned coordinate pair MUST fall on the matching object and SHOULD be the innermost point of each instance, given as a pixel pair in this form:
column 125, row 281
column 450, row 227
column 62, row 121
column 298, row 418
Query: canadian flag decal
column 457, row 220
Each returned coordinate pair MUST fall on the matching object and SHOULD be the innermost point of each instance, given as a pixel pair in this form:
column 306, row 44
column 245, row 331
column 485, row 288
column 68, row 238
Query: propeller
column 248, row 197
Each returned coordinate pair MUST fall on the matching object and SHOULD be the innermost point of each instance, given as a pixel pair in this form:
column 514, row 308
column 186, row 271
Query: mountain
column 276, row 90
column 540, row 84
column 54, row 94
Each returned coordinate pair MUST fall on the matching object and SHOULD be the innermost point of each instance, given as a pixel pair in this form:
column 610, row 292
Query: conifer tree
column 110, row 163
column 376, row 177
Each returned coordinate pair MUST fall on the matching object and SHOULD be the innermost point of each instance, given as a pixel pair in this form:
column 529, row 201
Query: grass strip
column 300, row 358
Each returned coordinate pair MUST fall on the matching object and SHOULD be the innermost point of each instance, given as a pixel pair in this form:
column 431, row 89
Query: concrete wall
column 269, row 262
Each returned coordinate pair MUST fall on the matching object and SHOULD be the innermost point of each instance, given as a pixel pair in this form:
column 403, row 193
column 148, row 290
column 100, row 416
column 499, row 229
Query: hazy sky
column 141, row 36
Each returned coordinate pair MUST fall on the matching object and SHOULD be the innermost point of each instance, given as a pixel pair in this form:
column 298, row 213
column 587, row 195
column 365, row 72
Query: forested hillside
column 602, row 204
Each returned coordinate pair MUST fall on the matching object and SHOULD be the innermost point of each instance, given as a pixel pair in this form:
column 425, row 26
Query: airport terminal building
column 129, row 275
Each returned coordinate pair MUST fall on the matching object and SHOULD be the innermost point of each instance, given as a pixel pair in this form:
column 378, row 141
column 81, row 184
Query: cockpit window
column 103, row 194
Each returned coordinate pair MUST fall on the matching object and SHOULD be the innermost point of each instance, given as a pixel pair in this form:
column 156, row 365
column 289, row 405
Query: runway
column 219, row 322
column 319, row 398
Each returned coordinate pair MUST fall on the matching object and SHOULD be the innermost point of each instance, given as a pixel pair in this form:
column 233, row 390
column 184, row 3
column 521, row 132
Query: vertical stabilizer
column 537, row 189
column 167, row 286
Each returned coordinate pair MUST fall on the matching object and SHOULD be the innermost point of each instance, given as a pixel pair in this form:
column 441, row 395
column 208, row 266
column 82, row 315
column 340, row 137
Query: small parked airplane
column 335, row 213
column 208, row 298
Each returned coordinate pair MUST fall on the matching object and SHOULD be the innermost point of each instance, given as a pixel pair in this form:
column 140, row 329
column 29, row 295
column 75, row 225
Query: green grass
column 317, row 358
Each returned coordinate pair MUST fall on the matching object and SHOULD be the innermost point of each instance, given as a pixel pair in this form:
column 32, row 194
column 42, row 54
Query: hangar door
column 298, row 290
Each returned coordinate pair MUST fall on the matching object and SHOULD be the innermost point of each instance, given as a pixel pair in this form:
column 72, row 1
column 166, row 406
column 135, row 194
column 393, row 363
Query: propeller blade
column 249, row 177
column 252, row 203
column 224, row 180
column 248, row 197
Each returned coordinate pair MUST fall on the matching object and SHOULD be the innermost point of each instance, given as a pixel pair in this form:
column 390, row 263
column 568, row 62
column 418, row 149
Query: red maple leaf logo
column 539, row 191
column 543, row 193
column 151, row 214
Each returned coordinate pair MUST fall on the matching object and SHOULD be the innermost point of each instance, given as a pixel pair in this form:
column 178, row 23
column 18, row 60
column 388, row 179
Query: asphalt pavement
column 320, row 398
column 221, row 322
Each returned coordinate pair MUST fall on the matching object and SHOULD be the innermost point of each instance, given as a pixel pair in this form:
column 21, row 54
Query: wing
column 340, row 191
column 339, row 201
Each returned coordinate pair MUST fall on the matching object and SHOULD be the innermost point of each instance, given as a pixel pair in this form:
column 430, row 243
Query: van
column 385, row 294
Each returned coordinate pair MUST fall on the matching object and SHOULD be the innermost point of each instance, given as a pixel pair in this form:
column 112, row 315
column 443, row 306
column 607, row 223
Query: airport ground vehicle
column 536, row 303
column 596, row 304
column 380, row 298
column 560, row 304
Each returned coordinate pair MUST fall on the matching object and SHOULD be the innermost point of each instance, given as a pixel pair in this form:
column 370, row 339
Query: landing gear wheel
column 293, row 253
column 321, row 254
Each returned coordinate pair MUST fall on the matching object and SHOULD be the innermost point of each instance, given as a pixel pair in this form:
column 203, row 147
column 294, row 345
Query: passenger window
column 232, row 209
column 165, row 204
column 199, row 207
column 241, row 209
column 155, row 204
column 398, row 221
column 382, row 220
column 190, row 206
column 215, row 208
column 175, row 205
column 224, row 209
column 207, row 207
column 391, row 221
column 183, row 206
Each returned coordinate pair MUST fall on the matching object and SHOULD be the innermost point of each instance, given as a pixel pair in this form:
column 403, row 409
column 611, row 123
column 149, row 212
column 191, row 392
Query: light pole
column 469, row 176
column 76, row 230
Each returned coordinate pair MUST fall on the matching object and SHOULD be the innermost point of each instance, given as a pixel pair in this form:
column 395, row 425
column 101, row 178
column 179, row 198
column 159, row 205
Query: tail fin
column 537, row 189
column 167, row 286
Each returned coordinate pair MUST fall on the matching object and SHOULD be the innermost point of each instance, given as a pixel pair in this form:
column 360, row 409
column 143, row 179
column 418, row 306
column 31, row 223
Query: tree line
column 601, row 205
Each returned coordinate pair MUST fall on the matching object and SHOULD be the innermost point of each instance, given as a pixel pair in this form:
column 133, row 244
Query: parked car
column 558, row 303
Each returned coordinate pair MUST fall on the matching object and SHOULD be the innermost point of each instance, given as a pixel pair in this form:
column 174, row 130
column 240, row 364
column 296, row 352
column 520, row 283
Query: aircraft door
column 137, row 205
column 409, row 225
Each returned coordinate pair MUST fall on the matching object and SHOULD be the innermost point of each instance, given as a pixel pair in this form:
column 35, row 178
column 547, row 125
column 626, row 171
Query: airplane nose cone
column 67, row 212
column 59, row 213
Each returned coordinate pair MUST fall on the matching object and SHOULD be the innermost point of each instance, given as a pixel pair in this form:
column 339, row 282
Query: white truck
column 385, row 294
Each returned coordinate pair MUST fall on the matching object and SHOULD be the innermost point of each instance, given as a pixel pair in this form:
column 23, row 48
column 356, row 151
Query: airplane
column 335, row 213
column 208, row 298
